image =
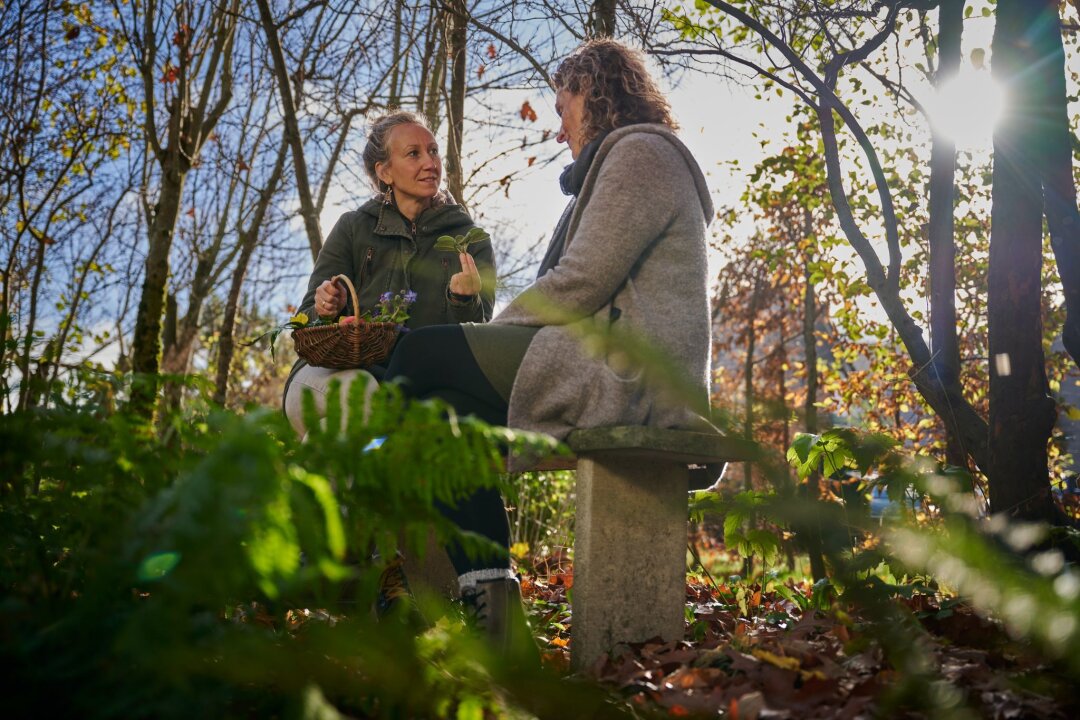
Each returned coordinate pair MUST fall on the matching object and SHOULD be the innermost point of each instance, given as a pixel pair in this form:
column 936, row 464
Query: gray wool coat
column 624, row 333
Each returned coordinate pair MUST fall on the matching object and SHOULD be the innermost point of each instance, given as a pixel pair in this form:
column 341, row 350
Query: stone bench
column 630, row 531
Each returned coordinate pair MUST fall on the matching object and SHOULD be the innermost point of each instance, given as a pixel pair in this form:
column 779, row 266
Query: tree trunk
column 458, row 23
column 394, row 98
column 292, row 130
column 431, row 41
column 30, row 389
column 781, row 372
column 146, row 343
column 1022, row 414
column 810, row 415
column 602, row 18
column 172, row 391
column 748, row 399
column 1055, row 159
column 943, row 338
column 226, row 341
column 748, row 377
column 433, row 94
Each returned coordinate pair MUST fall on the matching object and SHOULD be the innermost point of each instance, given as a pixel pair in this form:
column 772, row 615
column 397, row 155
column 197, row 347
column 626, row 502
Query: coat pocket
column 625, row 344
column 612, row 399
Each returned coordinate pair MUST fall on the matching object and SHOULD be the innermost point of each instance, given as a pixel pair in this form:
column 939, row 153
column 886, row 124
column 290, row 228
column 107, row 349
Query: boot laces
column 475, row 600
column 393, row 586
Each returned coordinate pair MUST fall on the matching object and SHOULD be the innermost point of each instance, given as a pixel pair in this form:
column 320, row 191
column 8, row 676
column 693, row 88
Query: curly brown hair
column 617, row 88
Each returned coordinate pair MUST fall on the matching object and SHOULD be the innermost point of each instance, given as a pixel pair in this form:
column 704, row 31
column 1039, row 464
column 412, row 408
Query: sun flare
column 966, row 108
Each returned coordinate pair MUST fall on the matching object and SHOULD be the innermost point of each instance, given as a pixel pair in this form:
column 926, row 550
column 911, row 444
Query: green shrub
column 166, row 574
column 541, row 515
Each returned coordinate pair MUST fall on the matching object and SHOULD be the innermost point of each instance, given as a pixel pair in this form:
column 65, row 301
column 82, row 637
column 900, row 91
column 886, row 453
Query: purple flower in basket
column 393, row 307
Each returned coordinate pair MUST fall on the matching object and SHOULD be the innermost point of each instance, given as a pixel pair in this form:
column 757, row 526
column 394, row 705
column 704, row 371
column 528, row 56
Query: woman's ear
column 382, row 171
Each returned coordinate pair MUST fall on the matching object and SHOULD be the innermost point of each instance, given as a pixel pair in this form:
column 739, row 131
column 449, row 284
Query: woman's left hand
column 466, row 282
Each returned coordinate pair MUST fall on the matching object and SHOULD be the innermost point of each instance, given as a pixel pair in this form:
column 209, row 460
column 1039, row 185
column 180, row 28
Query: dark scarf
column 571, row 181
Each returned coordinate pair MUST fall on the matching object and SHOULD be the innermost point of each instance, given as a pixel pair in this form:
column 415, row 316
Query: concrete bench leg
column 629, row 554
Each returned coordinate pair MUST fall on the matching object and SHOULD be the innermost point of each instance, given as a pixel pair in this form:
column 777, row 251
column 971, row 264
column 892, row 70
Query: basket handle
column 352, row 291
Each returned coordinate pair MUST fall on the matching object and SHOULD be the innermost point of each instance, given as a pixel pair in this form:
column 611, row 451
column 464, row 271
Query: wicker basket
column 358, row 344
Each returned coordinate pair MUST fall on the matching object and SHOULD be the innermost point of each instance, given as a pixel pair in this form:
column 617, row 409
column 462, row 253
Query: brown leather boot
column 394, row 598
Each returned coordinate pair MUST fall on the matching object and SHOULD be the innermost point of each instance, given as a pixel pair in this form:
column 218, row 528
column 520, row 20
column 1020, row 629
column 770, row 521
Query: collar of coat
column 665, row 132
column 443, row 214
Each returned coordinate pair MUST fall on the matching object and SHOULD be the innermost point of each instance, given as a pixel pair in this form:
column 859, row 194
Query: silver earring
column 388, row 196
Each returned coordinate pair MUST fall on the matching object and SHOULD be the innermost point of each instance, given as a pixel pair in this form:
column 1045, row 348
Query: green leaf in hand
column 460, row 243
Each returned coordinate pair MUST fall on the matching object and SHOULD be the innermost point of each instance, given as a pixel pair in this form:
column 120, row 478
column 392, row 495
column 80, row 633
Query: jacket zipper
column 363, row 271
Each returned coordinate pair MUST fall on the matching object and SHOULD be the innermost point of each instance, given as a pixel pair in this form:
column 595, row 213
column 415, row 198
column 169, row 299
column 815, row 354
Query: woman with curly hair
column 627, row 260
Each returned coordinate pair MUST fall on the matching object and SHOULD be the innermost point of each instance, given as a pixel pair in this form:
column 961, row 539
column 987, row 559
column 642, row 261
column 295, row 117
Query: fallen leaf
column 787, row 663
column 749, row 706
column 527, row 112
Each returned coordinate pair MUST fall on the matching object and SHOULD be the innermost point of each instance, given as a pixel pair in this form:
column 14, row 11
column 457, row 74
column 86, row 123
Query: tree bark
column 433, row 95
column 431, row 38
column 29, row 390
column 292, row 130
column 602, row 18
column 146, row 342
column 810, row 414
column 1022, row 414
column 394, row 98
column 1056, row 162
column 458, row 24
column 943, row 338
column 748, row 376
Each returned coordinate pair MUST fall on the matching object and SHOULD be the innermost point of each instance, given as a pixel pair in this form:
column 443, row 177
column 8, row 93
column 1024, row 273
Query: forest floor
column 750, row 653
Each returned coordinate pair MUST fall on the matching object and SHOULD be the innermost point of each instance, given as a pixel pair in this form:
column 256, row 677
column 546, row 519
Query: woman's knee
column 317, row 381
column 420, row 352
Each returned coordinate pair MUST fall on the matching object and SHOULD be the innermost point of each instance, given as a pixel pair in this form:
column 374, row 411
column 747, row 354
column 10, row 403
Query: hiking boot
column 494, row 608
column 394, row 597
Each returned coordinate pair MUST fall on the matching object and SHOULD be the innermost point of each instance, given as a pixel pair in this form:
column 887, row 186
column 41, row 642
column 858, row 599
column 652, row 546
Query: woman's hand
column 466, row 282
column 329, row 299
